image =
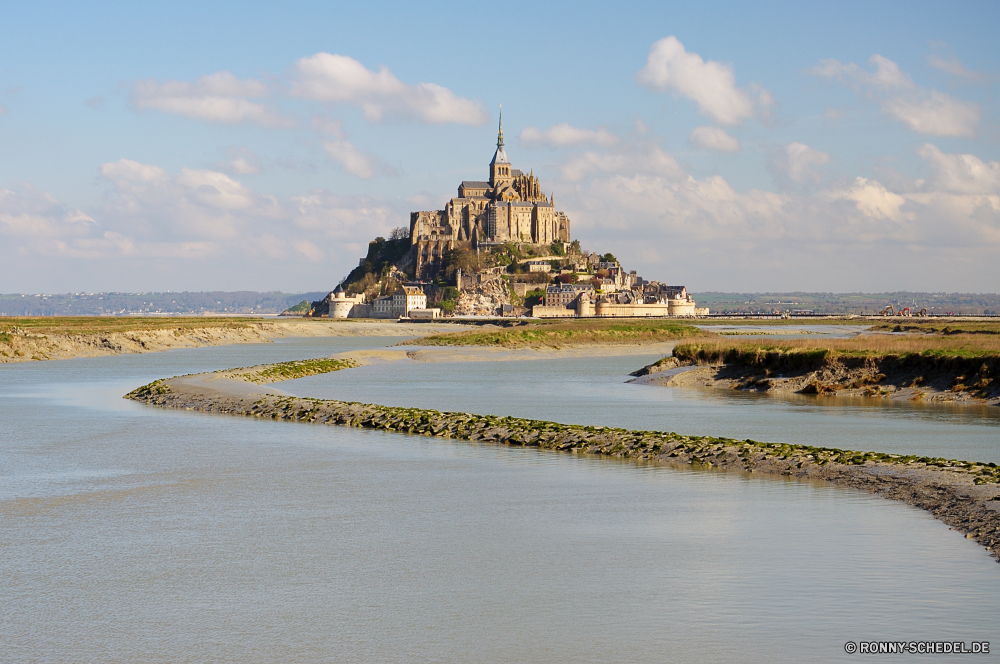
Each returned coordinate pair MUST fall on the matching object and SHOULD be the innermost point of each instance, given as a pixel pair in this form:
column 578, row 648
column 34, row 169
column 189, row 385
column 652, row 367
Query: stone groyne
column 964, row 495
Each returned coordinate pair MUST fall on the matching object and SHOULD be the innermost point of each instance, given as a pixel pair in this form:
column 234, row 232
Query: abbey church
column 510, row 207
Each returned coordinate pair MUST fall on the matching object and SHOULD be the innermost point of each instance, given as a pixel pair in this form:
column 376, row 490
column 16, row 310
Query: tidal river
column 130, row 533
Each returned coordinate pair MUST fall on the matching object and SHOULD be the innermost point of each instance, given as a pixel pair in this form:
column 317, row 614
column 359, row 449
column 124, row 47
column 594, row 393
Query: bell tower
column 500, row 166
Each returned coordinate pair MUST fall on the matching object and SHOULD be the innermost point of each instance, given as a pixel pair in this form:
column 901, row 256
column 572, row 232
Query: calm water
column 129, row 533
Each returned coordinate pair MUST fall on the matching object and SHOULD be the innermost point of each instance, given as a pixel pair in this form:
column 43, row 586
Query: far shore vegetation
column 559, row 333
column 64, row 325
column 742, row 351
column 946, row 327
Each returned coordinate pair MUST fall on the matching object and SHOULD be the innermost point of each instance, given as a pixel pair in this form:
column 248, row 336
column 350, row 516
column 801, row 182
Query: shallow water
column 594, row 391
column 132, row 533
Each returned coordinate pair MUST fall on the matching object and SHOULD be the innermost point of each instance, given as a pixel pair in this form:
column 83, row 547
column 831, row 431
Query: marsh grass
column 274, row 373
column 817, row 349
column 567, row 333
column 940, row 327
column 66, row 325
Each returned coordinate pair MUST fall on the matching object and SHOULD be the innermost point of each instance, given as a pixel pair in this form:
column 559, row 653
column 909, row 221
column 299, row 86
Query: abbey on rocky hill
column 510, row 207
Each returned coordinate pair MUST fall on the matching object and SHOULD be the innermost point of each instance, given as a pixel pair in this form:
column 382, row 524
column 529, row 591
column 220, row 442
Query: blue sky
column 197, row 146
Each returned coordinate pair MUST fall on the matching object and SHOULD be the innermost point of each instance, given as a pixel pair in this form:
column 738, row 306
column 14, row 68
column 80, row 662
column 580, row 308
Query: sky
column 852, row 146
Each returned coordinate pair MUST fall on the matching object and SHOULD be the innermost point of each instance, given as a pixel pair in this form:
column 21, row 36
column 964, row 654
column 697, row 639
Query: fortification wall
column 541, row 311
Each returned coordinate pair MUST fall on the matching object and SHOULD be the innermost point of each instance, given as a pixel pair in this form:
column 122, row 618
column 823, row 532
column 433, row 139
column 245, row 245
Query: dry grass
column 874, row 345
column 567, row 333
column 65, row 325
column 940, row 327
column 273, row 373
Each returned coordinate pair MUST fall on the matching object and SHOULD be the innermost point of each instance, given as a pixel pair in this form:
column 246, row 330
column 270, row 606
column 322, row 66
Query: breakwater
column 962, row 494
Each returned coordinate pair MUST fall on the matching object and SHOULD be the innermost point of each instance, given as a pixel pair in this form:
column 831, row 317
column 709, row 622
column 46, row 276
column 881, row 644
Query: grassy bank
column 87, row 325
column 816, row 350
column 273, row 373
column 917, row 367
column 948, row 328
column 567, row 333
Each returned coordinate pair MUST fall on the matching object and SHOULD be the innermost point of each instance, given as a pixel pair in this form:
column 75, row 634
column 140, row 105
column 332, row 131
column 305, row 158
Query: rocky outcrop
column 486, row 299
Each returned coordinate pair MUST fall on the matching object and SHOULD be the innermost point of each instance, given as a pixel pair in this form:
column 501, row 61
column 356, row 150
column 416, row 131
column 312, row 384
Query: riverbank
column 562, row 334
column 964, row 495
column 959, row 367
column 53, row 338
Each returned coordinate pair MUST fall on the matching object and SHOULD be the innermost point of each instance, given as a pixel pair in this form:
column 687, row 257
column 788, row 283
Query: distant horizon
column 183, row 303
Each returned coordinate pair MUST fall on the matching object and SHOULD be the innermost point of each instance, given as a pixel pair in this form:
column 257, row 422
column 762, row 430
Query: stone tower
column 500, row 167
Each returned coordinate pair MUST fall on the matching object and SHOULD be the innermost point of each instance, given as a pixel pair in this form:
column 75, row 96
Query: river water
column 131, row 533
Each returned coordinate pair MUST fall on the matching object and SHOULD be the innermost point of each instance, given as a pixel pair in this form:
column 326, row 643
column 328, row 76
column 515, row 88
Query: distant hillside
column 123, row 304
column 851, row 303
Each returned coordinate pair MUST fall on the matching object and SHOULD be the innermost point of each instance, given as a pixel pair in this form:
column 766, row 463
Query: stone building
column 651, row 299
column 407, row 298
column 509, row 207
column 339, row 304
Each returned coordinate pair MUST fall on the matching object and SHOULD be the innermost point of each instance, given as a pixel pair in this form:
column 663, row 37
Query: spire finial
column 500, row 131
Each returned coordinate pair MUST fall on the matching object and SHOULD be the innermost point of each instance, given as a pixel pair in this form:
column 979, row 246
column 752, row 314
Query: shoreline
column 26, row 346
column 933, row 380
column 964, row 495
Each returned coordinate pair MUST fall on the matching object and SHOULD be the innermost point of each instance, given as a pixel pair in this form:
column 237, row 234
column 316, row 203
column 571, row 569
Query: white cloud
column 954, row 67
column 633, row 159
column 325, row 125
column 193, row 205
column 309, row 250
column 353, row 160
column 713, row 138
column 564, row 135
column 675, row 226
column 803, row 160
column 27, row 212
column 218, row 98
column 872, row 199
column 710, row 84
column 924, row 111
column 240, row 161
column 961, row 173
column 189, row 229
column 887, row 75
column 332, row 78
column 350, row 158
column 935, row 114
column 215, row 190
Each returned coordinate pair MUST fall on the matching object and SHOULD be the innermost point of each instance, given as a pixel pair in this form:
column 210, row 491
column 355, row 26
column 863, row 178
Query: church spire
column 500, row 131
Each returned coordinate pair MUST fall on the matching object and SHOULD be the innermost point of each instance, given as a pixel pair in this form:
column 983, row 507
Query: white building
column 407, row 298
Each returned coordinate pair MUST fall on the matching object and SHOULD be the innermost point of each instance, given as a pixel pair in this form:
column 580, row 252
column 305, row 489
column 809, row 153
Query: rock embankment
column 964, row 495
column 913, row 377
